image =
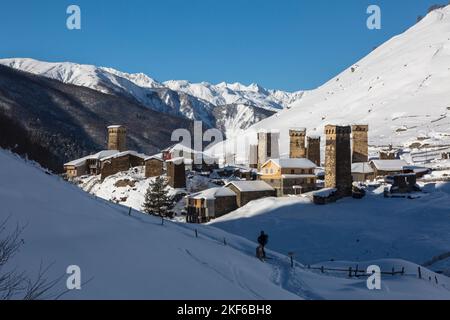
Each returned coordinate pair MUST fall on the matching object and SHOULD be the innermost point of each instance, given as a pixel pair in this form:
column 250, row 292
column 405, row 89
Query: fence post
column 420, row 272
column 393, row 271
column 350, row 272
column 162, row 221
column 356, row 271
column 225, row 241
column 322, row 269
column 403, row 271
column 435, row 278
column 196, row 233
column 129, row 212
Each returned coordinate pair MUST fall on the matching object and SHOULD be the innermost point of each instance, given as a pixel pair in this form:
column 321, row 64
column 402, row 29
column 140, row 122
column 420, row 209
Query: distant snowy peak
column 236, row 93
column 139, row 79
column 195, row 101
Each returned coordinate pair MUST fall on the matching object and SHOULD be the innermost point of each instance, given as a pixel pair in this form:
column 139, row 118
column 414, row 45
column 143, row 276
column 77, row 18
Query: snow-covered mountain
column 229, row 107
column 401, row 89
column 236, row 93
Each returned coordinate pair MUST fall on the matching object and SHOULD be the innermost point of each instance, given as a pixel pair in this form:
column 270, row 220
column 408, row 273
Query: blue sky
column 282, row 44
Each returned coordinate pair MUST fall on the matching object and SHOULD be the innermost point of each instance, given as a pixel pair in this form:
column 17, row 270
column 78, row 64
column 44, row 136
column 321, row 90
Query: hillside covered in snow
column 372, row 228
column 135, row 257
column 401, row 89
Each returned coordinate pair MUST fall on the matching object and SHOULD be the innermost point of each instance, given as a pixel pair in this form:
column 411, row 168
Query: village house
column 362, row 171
column 209, row 204
column 194, row 160
column 247, row 191
column 154, row 166
column 89, row 165
column 384, row 168
column 119, row 162
column 289, row 176
column 420, row 172
column 107, row 162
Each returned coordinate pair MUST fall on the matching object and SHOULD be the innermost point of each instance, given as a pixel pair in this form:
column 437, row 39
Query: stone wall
column 153, row 168
column 224, row 205
column 242, row 198
column 124, row 163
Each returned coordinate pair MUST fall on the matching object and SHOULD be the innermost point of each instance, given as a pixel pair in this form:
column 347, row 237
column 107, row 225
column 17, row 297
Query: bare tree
column 15, row 284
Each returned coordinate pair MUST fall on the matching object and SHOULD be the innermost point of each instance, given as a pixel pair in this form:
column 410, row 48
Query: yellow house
column 289, row 176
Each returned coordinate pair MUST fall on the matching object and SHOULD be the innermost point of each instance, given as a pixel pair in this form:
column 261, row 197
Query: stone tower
column 268, row 147
column 338, row 167
column 297, row 143
column 176, row 172
column 117, row 138
column 253, row 156
column 360, row 143
column 313, row 151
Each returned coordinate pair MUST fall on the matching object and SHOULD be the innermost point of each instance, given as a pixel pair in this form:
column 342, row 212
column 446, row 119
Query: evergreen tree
column 157, row 199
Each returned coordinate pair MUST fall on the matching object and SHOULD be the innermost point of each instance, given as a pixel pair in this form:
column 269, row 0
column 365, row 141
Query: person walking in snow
column 263, row 239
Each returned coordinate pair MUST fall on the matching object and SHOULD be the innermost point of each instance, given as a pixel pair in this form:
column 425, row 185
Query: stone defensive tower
column 338, row 171
column 253, row 156
column 297, row 143
column 313, row 150
column 268, row 147
column 360, row 143
column 117, row 138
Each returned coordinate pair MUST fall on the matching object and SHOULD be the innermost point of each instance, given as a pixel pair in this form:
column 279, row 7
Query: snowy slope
column 353, row 230
column 203, row 101
column 401, row 90
column 124, row 257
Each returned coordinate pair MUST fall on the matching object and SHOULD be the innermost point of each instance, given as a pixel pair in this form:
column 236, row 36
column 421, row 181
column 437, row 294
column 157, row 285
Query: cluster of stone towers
column 344, row 145
column 298, row 148
column 339, row 155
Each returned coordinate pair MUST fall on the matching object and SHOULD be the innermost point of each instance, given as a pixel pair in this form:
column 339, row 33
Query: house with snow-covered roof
column 247, row 191
column 362, row 171
column 210, row 204
column 107, row 162
column 384, row 168
column 194, row 160
column 89, row 165
column 289, row 176
column 119, row 162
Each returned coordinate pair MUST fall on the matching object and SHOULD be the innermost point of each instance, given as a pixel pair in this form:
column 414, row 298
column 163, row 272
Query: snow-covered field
column 124, row 257
column 354, row 230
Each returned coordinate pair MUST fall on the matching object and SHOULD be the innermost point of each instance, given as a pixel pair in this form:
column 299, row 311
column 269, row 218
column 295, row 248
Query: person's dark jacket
column 263, row 239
